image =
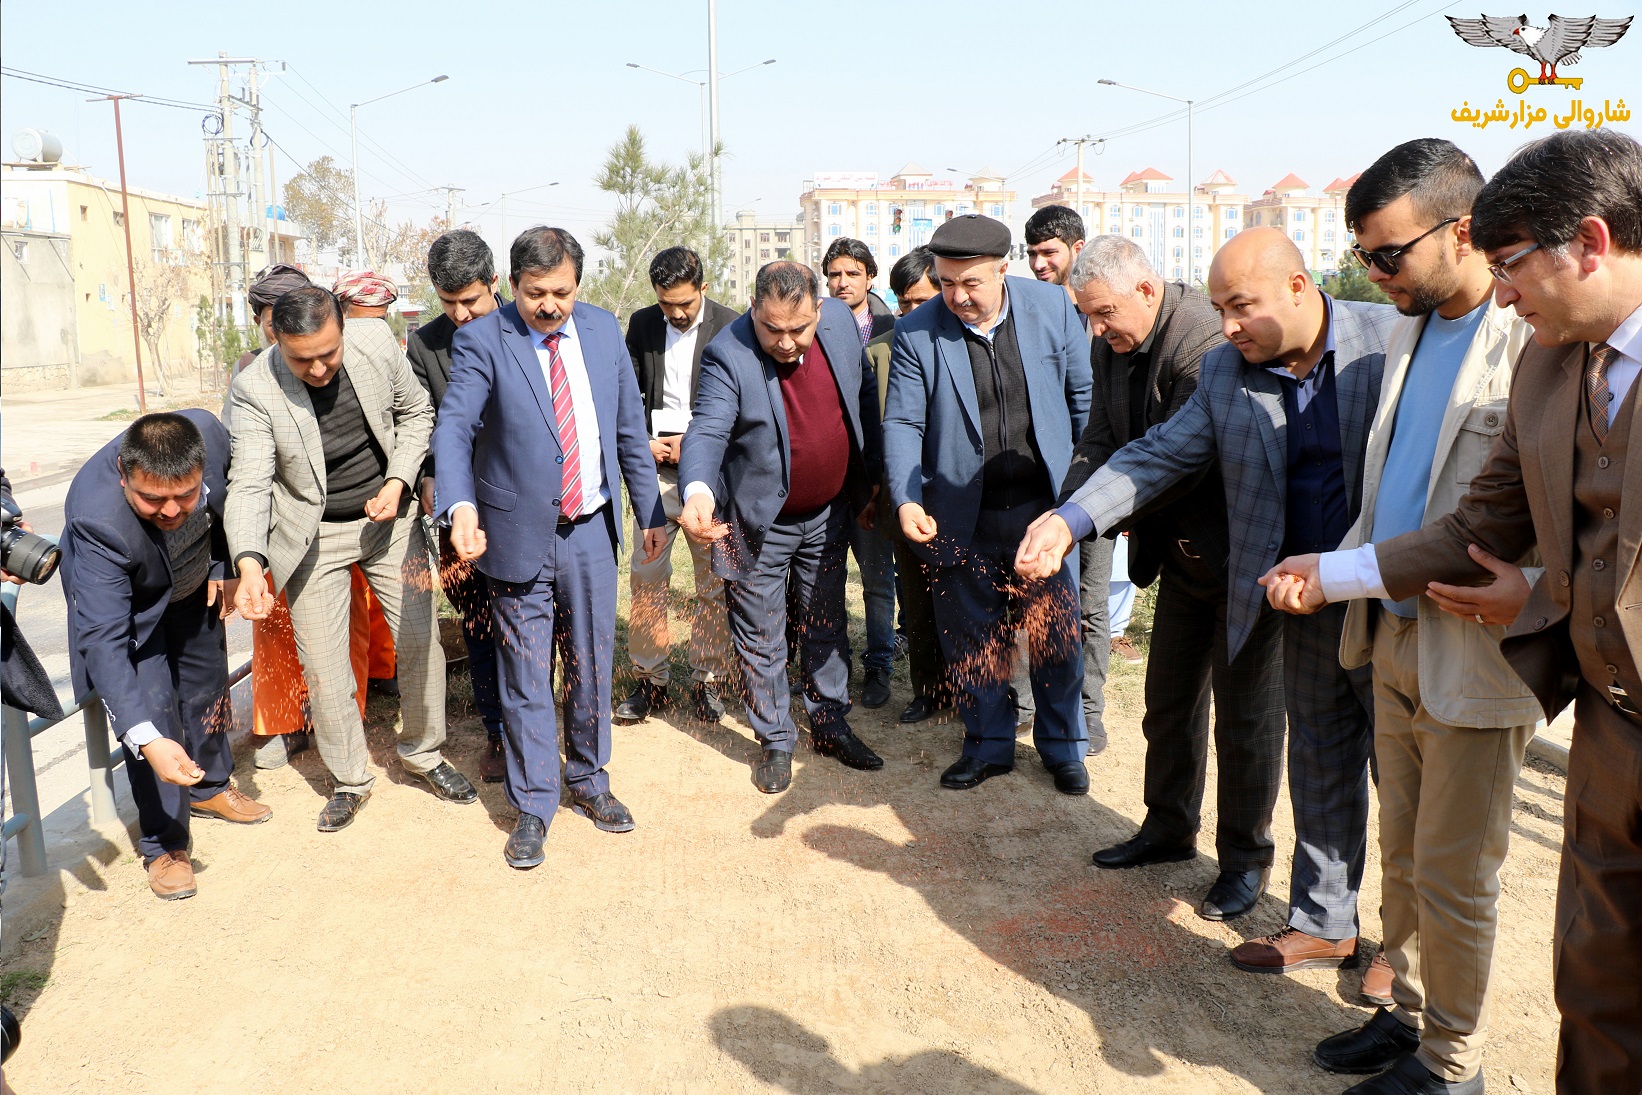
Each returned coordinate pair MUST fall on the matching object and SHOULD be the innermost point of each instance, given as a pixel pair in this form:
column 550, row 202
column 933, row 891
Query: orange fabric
column 278, row 691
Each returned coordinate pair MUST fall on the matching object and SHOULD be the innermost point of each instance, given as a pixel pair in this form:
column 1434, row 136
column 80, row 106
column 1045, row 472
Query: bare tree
column 161, row 287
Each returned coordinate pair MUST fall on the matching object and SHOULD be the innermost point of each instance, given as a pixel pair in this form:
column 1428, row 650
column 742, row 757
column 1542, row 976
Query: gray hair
column 1111, row 259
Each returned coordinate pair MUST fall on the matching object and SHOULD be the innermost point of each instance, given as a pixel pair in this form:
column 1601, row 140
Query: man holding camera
column 144, row 559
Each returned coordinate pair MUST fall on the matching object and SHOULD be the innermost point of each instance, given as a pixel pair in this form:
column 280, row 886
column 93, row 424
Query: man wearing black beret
column 988, row 389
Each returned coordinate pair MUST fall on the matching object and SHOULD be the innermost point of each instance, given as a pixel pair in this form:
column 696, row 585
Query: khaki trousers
column 648, row 640
column 1445, row 817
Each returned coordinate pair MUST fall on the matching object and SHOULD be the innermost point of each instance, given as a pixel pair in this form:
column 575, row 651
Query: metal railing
column 19, row 732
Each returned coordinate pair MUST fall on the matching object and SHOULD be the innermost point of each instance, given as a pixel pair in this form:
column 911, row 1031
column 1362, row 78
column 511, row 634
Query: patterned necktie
column 1596, row 388
column 564, row 414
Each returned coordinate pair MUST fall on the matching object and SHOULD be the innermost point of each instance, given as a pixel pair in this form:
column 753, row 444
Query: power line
column 369, row 141
column 93, row 89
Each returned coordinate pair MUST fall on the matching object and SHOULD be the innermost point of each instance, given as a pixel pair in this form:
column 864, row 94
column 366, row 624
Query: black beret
column 970, row 236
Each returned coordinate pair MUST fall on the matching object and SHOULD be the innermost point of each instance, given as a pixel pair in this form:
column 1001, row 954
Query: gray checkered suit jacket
column 1236, row 414
column 276, row 482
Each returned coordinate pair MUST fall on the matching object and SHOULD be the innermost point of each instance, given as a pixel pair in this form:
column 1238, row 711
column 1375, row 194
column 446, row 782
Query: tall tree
column 320, row 199
column 162, row 289
column 657, row 206
column 1351, row 282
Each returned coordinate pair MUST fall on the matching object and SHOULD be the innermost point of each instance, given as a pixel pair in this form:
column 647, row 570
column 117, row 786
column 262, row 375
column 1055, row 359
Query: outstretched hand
column 1295, row 585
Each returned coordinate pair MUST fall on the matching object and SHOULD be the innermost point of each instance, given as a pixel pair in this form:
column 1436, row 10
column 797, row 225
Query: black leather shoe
column 340, row 811
column 645, row 698
column 1071, row 777
column 875, row 691
column 383, row 686
column 1234, row 893
column 449, row 784
column 1097, row 742
column 968, row 772
column 1409, row 1077
column 604, row 810
column 848, row 750
column 709, row 704
column 774, row 773
column 1376, row 1045
column 921, row 708
column 524, row 845
column 1137, row 851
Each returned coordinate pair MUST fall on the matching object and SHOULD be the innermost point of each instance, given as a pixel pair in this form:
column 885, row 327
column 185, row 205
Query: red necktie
column 564, row 413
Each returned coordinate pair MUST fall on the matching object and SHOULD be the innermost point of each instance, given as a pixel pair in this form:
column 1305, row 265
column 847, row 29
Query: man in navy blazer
column 988, row 390
column 783, row 442
column 144, row 557
column 540, row 425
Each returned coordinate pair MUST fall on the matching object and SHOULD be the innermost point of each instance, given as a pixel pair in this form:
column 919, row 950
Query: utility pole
column 717, row 184
column 130, row 265
column 450, row 201
column 1077, row 186
column 226, row 189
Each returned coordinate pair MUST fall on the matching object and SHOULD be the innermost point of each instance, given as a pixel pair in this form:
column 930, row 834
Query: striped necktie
column 1596, row 388
column 564, row 415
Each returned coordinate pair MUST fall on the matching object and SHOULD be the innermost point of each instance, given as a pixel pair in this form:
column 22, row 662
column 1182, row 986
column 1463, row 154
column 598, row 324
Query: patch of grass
column 19, row 983
column 124, row 414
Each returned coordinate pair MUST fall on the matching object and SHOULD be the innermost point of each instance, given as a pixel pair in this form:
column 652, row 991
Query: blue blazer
column 496, row 443
column 932, row 422
column 1236, row 415
column 117, row 578
column 737, row 440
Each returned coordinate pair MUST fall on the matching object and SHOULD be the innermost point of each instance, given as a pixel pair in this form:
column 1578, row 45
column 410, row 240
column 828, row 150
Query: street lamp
column 709, row 129
column 501, row 200
column 1191, row 185
column 353, row 136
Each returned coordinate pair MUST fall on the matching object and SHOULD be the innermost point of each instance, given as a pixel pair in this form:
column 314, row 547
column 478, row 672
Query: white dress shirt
column 1347, row 575
column 678, row 362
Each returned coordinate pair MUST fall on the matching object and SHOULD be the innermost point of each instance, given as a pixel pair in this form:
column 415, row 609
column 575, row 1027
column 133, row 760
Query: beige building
column 64, row 286
column 753, row 243
column 1147, row 208
column 892, row 217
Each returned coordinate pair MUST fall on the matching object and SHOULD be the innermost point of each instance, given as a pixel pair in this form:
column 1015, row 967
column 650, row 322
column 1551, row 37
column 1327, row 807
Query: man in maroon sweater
column 784, row 445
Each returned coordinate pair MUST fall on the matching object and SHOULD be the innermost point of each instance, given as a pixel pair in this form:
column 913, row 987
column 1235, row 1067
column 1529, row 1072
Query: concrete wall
column 37, row 317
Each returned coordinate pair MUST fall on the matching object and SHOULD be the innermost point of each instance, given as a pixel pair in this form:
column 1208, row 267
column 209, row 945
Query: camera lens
column 30, row 557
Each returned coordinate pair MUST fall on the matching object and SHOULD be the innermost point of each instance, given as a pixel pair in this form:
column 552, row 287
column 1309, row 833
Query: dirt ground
column 863, row 932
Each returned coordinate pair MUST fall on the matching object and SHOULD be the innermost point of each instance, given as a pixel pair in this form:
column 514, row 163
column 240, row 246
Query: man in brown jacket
column 1561, row 225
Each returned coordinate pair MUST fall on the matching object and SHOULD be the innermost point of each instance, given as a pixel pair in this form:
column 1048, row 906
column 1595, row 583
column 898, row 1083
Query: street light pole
column 1191, row 184
column 712, row 109
column 360, row 252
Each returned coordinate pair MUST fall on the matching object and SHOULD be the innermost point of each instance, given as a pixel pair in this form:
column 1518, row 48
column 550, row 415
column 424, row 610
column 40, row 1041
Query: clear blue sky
column 538, row 92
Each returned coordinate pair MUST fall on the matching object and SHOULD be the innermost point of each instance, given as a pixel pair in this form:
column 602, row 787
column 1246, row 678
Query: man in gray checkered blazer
column 1286, row 409
column 329, row 431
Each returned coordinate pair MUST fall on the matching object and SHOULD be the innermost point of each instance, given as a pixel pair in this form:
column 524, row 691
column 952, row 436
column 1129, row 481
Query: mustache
column 547, row 316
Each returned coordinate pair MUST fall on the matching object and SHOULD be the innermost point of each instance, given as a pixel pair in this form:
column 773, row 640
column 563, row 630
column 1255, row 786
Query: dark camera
column 29, row 557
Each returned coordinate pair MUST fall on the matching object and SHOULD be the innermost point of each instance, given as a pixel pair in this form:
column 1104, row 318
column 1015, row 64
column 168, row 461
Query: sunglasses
column 1502, row 269
column 1387, row 260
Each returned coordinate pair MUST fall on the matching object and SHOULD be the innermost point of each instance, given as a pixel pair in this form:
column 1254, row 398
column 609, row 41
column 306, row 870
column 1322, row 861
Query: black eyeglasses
column 1387, row 260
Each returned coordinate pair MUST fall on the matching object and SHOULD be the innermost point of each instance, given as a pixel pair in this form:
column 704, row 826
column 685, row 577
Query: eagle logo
column 1557, row 43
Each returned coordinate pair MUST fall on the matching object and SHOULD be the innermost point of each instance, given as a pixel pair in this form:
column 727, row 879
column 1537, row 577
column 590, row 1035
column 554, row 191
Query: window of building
column 872, row 248
column 1299, row 235
column 1179, row 232
column 1328, row 235
column 1180, row 210
column 159, row 232
column 938, row 211
column 872, row 229
column 1231, row 214
column 1117, row 210
column 1135, row 231
column 1230, row 232
column 872, row 209
column 1197, row 232
column 1198, row 210
column 894, row 250
column 83, row 212
column 119, row 219
column 835, row 210
column 1138, row 211
column 1299, row 215
column 763, row 237
column 1177, row 273
column 781, row 237
column 835, row 231
column 747, row 244
column 1179, row 252
column 1328, row 216
column 20, row 251
column 1197, row 252
column 997, row 210
column 764, row 253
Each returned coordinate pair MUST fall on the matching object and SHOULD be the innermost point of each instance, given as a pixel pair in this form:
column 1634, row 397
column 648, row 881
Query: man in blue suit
column 144, row 558
column 1286, row 408
column 783, row 441
column 540, row 424
column 988, row 390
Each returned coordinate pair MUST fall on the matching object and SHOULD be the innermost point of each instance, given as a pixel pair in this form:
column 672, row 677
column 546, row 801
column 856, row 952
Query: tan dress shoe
column 231, row 805
column 1377, row 978
column 171, row 876
column 1292, row 949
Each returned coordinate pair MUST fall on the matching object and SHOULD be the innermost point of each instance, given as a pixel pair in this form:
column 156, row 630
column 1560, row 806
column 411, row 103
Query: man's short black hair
column 1441, row 181
column 675, row 266
column 845, row 248
column 305, row 311
column 540, row 249
column 911, row 268
column 163, row 446
column 787, row 281
column 1552, row 184
column 459, row 258
column 1054, row 222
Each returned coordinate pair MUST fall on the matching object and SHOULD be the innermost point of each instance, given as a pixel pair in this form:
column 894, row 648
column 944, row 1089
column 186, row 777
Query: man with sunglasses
column 1451, row 718
column 1562, row 226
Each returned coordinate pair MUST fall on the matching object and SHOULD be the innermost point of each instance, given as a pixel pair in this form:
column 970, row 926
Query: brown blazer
column 1525, row 495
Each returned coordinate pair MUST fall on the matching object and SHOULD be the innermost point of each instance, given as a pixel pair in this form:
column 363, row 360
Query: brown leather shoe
column 493, row 761
column 1377, row 978
column 1292, row 949
column 171, row 876
column 230, row 805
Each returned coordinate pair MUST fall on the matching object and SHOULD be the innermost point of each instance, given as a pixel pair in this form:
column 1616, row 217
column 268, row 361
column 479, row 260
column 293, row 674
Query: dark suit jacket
column 647, row 346
column 497, row 440
column 1524, row 496
column 428, row 349
column 117, row 578
column 737, row 440
column 1185, row 329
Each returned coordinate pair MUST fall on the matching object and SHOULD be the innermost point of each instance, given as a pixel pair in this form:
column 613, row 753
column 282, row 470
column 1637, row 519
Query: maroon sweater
column 817, row 434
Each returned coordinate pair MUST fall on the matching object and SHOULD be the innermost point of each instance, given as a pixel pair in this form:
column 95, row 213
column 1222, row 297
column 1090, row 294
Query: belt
column 1621, row 701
